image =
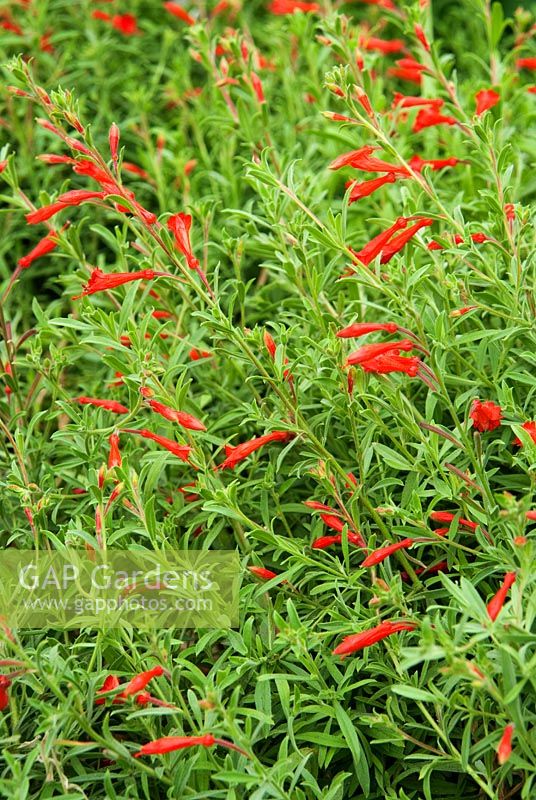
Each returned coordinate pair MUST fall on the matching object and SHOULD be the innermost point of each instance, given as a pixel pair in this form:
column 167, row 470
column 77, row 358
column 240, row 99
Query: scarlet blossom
column 531, row 89
column 281, row 7
column 169, row 744
column 357, row 641
column 256, row 83
column 383, row 365
column 387, row 4
column 336, row 523
column 52, row 158
column 263, row 573
column 180, row 417
column 421, row 36
column 135, row 170
column 410, row 101
column 3, row 165
column 361, row 159
column 161, row 314
column 5, row 683
column 460, row 312
column 111, row 682
column 126, row 24
column 179, row 12
column 236, row 454
column 100, row 281
column 108, row 405
column 47, row 244
column 269, row 343
column 197, row 355
column 384, row 46
column 428, row 117
column 531, row 515
column 113, row 141
column 369, row 252
column 408, row 69
column 366, row 188
column 485, row 99
column 379, row 555
column 526, row 63
column 144, row 698
column 417, row 163
column 326, row 541
column 316, row 506
column 368, row 351
column 497, row 601
column 182, row 451
column 140, row 681
column 486, row 416
column 72, row 198
column 448, row 516
column 114, row 458
column 361, row 328
column 179, row 225
column 396, row 244
column 504, row 748
column 530, row 427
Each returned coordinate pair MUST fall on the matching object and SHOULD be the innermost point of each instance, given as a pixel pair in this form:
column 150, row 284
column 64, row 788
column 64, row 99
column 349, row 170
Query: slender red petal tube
column 281, row 7
column 379, row 555
column 357, row 641
column 182, row 451
column 383, row 365
column 448, row 516
column 181, row 417
column 357, row 329
column 366, row 188
column 526, row 63
column 410, row 101
column 369, row 252
column 498, row 600
column 114, row 458
column 531, row 515
column 179, row 12
column 179, row 225
column 100, row 281
column 111, row 682
column 417, row 163
column 429, row 117
column 314, row 504
column 169, row 744
column 113, row 140
column 238, row 453
column 140, row 681
column 485, row 99
column 369, row 351
column 504, row 748
column 263, row 573
column 361, row 159
column 47, row 244
column 109, row 405
column 73, row 198
column 384, row 46
column 398, row 242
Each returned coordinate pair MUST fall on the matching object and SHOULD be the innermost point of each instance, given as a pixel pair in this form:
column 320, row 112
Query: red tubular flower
column 408, row 69
column 140, row 681
column 42, row 248
column 379, row 555
column 182, row 451
column 357, row 641
column 108, row 405
column 326, row 541
column 486, row 416
column 361, row 328
column 421, row 36
column 113, row 140
column 369, row 252
column 448, row 516
column 428, row 117
column 114, row 458
column 100, row 281
column 52, row 158
column 504, row 748
column 361, row 159
column 269, row 343
column 382, row 365
column 256, row 83
column 179, row 12
column 236, row 454
column 497, row 601
column 129, row 167
column 530, row 427
column 485, row 99
column 370, row 351
column 111, row 682
column 398, row 242
column 316, row 506
column 126, row 24
column 281, row 7
column 262, row 573
column 73, row 198
column 144, row 698
column 387, row 4
column 337, row 524
column 526, row 63
column 384, row 46
column 179, row 225
column 417, row 163
column 197, row 355
column 366, row 188
column 168, row 744
column 180, row 417
column 410, row 101
column 531, row 515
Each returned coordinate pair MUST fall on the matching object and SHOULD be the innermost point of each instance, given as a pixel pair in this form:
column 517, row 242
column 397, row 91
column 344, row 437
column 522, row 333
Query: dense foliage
column 263, row 125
